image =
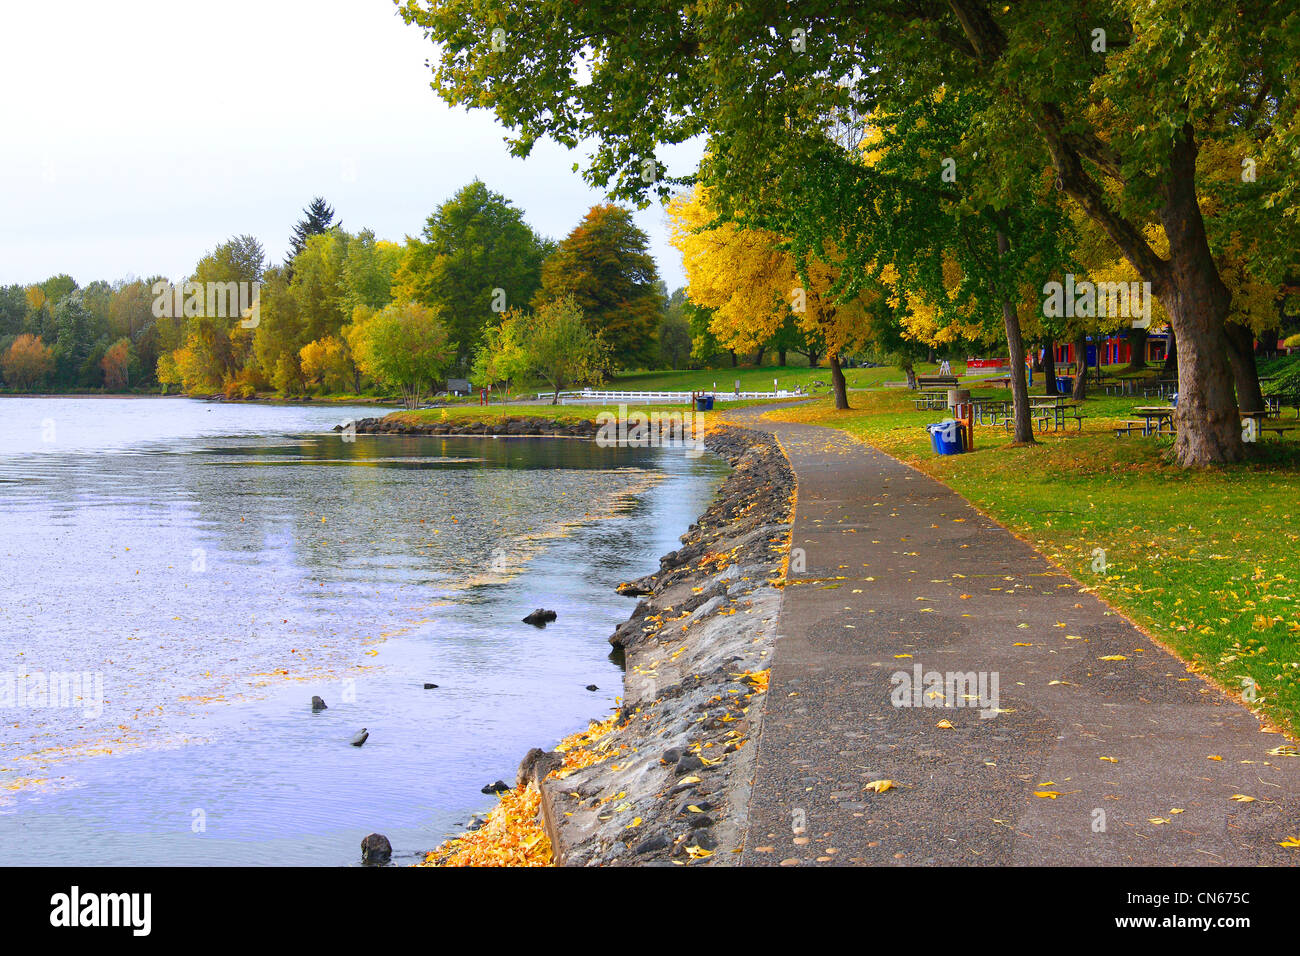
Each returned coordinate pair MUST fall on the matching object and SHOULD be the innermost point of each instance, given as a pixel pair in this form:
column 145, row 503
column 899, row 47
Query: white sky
column 140, row 134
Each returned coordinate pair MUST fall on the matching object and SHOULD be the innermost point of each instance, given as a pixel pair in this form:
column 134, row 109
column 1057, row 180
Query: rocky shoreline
column 673, row 781
column 522, row 426
column 665, row 780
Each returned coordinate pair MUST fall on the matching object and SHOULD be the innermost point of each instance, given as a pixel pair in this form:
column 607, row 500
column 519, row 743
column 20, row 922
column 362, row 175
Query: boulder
column 540, row 617
column 376, row 850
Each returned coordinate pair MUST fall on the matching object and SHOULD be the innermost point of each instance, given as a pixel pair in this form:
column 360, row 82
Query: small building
column 1114, row 349
column 458, row 386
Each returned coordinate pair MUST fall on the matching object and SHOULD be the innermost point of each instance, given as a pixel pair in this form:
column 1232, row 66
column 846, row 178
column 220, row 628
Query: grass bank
column 464, row 414
column 1205, row 561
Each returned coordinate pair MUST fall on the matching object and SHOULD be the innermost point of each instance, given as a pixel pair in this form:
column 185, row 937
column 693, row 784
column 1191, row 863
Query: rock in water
column 317, row 704
column 592, row 687
column 360, row 738
column 499, row 787
column 376, row 850
column 540, row 617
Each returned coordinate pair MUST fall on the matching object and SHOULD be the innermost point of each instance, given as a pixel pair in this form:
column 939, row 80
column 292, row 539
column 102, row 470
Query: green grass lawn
column 751, row 379
column 1206, row 561
column 563, row 413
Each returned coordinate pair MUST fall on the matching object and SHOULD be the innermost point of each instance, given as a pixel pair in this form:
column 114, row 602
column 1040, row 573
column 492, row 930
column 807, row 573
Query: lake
column 178, row 578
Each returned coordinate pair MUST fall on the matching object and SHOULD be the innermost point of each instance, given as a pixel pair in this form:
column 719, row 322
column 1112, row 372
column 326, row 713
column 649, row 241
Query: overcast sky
column 140, row 134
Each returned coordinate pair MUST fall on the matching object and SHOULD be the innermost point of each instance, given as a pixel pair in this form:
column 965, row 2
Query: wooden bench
column 1127, row 428
column 936, row 381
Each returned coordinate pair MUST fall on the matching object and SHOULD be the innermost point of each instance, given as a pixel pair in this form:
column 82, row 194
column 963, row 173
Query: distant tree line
column 334, row 316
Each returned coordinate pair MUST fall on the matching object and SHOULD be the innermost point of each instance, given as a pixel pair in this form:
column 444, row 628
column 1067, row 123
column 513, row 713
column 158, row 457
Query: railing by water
column 588, row 396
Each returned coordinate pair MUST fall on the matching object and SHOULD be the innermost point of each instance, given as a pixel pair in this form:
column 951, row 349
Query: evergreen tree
column 318, row 215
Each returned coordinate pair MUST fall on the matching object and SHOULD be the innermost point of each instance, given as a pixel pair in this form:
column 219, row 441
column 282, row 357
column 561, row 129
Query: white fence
column 592, row 397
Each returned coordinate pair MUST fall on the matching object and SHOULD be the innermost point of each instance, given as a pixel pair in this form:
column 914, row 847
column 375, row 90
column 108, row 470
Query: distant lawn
column 751, row 379
column 563, row 413
column 1206, row 561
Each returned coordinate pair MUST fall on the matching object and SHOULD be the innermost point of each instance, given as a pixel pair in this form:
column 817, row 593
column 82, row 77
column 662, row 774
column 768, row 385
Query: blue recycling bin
column 946, row 438
column 704, row 403
column 1063, row 386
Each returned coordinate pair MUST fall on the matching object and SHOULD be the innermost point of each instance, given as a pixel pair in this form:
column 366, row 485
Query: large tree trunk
column 1137, row 349
column 837, row 381
column 1049, row 367
column 1268, row 342
column 1209, row 428
column 1170, row 367
column 1241, row 353
column 911, row 373
column 1187, row 283
column 1024, row 433
column 1081, row 364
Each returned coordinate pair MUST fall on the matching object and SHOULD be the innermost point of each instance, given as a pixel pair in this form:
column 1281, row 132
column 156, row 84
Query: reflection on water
column 217, row 565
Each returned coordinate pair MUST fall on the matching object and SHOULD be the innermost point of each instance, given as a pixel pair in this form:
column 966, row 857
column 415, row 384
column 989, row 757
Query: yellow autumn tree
column 752, row 284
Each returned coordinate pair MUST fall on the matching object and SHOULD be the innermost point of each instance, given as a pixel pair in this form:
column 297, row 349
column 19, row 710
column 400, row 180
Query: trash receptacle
column 1064, row 386
column 946, row 437
column 704, row 403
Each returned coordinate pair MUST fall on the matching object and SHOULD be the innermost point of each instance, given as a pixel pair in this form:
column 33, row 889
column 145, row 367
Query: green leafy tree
column 554, row 345
column 405, row 346
column 477, row 258
column 501, row 355
column 1114, row 101
column 674, row 340
column 368, row 271
column 72, row 344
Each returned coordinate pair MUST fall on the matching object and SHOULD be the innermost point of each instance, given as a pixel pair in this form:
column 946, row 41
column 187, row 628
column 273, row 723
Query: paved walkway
column 901, row 572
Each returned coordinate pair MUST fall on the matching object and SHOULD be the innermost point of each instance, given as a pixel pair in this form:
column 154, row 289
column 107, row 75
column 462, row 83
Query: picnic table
column 930, row 399
column 1122, row 384
column 1280, row 428
column 1161, row 388
column 990, row 408
column 1159, row 414
column 1046, row 412
column 1055, row 413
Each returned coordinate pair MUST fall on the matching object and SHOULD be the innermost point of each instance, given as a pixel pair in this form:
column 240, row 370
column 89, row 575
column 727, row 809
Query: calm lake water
column 194, row 572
